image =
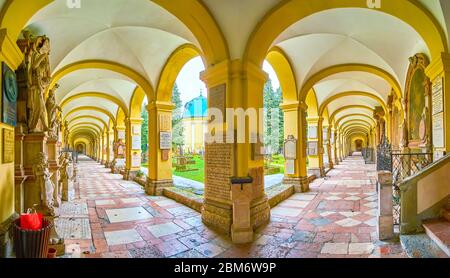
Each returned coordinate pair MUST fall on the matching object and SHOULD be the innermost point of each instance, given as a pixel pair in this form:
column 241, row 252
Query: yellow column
column 159, row 155
column 315, row 157
column 295, row 125
column 235, row 85
column 133, row 156
column 439, row 73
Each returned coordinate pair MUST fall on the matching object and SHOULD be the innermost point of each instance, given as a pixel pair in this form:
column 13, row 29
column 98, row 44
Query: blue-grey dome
column 196, row 108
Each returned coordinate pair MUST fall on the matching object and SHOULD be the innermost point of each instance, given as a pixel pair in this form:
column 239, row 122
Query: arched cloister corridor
column 116, row 219
column 88, row 91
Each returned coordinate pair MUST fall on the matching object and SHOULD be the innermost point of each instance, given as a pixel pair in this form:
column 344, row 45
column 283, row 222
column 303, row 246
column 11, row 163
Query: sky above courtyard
column 190, row 84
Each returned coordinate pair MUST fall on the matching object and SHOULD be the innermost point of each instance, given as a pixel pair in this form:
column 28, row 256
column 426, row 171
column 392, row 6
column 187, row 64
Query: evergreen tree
column 177, row 119
column 274, row 139
column 144, row 130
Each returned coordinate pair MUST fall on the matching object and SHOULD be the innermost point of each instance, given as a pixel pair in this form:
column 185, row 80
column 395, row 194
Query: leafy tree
column 177, row 119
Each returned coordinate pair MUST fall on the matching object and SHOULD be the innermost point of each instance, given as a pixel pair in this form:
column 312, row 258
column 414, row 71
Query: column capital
column 438, row 66
column 9, row 51
column 160, row 106
column 230, row 69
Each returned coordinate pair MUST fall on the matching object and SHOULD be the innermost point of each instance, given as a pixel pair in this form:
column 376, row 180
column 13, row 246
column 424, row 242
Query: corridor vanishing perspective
column 225, row 128
column 336, row 219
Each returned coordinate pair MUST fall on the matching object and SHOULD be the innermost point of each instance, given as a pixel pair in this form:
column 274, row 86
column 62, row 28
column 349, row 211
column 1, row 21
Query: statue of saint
column 66, row 134
column 52, row 114
column 65, row 175
column 44, row 183
column 39, row 76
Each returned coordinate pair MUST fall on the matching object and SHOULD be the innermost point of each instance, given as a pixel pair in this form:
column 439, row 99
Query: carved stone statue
column 44, row 183
column 66, row 133
column 39, row 76
column 52, row 114
column 65, row 173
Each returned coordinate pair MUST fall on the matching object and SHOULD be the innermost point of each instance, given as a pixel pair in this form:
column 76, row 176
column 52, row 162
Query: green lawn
column 278, row 160
column 197, row 175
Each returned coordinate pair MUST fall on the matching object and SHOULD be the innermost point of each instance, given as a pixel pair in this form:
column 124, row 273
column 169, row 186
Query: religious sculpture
column 66, row 133
column 54, row 122
column 37, row 65
column 44, row 183
column 65, row 175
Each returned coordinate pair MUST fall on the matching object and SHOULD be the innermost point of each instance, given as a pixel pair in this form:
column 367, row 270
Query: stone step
column 421, row 246
column 439, row 231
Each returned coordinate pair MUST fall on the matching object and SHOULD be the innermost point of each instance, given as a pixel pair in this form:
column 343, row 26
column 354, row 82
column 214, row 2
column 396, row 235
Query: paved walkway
column 181, row 182
column 114, row 218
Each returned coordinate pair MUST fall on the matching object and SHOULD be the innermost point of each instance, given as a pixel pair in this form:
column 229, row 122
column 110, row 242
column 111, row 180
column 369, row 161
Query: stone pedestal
column 155, row 188
column 53, row 148
column 318, row 172
column 67, row 194
column 241, row 229
column 385, row 223
column 301, row 185
column 33, row 144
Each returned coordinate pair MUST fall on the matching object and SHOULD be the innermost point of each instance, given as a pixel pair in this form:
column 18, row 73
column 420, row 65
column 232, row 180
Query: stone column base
column 155, row 188
column 318, row 172
column 6, row 242
column 301, row 185
column 217, row 216
column 260, row 212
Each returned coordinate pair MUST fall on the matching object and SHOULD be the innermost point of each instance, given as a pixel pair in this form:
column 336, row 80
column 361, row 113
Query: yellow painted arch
column 353, row 93
column 172, row 68
column 100, row 129
column 280, row 62
column 350, row 107
column 351, row 68
column 360, row 129
column 15, row 15
column 84, row 108
column 95, row 95
column 196, row 16
column 88, row 117
column 356, row 115
column 106, row 65
column 136, row 103
column 289, row 12
column 86, row 127
column 350, row 125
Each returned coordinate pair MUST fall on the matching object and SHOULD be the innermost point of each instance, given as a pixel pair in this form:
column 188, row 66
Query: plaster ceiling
column 238, row 19
column 355, row 36
column 345, row 101
column 88, row 113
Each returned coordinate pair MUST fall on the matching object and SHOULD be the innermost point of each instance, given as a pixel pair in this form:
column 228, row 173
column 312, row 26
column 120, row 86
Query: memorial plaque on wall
column 290, row 148
column 136, row 160
column 121, row 134
column 312, row 132
column 165, row 140
column 136, row 144
column 8, row 146
column 217, row 98
column 313, row 148
column 10, row 93
column 438, row 97
column 290, row 167
column 165, row 122
column 438, row 130
column 136, row 130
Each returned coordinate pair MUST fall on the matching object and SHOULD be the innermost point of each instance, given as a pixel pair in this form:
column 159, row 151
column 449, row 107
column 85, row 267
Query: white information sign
column 165, row 140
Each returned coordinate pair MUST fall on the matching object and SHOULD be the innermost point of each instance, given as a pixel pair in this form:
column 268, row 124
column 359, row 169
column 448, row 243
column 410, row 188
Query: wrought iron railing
column 402, row 165
column 368, row 155
column 405, row 165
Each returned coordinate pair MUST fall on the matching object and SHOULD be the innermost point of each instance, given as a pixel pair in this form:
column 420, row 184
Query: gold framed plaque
column 8, row 146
